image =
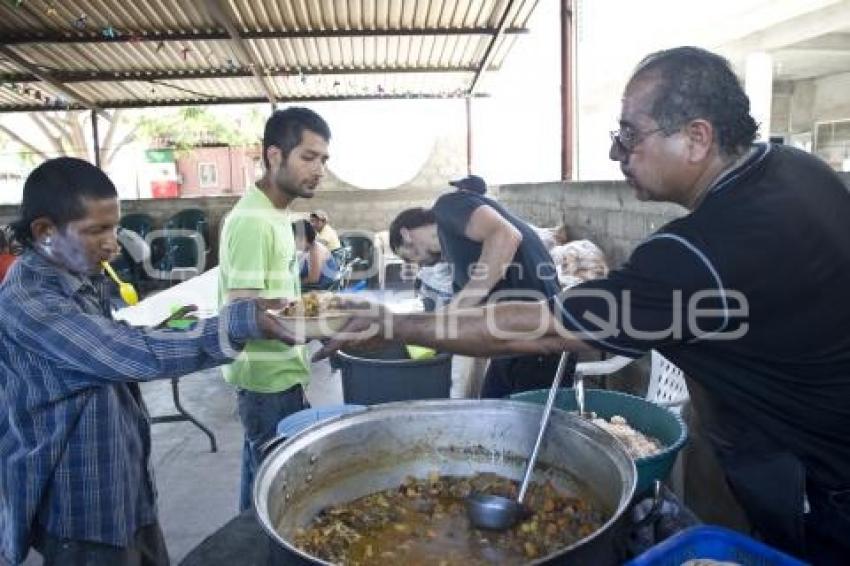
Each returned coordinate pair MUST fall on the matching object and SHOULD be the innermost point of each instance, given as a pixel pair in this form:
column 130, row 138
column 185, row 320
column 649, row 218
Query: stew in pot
column 424, row 521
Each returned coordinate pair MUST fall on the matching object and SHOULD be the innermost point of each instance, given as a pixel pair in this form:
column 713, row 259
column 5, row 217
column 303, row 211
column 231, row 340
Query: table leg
column 184, row 415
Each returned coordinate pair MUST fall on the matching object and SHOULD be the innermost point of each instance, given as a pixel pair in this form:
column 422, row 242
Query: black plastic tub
column 383, row 376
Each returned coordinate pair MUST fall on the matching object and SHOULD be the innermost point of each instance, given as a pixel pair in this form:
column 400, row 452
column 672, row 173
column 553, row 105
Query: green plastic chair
column 140, row 223
column 181, row 250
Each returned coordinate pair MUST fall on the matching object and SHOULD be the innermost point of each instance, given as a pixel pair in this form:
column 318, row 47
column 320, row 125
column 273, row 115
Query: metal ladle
column 498, row 513
column 578, row 387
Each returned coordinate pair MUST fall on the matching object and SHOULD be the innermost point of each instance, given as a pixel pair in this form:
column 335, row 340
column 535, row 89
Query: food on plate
column 637, row 444
column 312, row 304
column 315, row 315
column 424, row 521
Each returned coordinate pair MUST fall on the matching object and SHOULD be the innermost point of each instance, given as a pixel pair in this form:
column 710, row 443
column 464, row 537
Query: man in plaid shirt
column 75, row 475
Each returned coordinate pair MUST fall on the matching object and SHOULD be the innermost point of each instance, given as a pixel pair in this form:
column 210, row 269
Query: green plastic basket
column 645, row 417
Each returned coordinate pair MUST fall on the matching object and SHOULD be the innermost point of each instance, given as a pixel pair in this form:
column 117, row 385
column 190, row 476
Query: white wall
column 517, row 131
column 614, row 35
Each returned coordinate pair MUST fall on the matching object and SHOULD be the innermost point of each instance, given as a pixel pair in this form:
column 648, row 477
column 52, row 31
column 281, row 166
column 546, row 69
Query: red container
column 165, row 189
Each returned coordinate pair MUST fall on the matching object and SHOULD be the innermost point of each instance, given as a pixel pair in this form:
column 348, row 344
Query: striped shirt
column 74, row 430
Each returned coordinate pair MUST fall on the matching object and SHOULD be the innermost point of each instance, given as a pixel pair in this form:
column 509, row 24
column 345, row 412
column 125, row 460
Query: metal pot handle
column 654, row 512
column 269, row 445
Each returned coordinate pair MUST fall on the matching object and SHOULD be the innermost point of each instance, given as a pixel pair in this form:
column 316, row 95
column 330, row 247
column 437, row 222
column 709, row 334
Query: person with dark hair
column 491, row 254
column 257, row 259
column 748, row 305
column 325, row 233
column 285, row 129
column 75, row 448
column 416, row 225
column 7, row 255
column 318, row 267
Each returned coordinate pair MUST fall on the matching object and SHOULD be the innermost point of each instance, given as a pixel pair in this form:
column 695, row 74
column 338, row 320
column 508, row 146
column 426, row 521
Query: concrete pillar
column 758, row 83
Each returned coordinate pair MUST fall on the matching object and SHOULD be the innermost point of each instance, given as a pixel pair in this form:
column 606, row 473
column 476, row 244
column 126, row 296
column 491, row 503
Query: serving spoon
column 497, row 513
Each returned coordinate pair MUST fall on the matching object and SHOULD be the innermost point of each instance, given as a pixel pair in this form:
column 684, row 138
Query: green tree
column 67, row 133
column 192, row 126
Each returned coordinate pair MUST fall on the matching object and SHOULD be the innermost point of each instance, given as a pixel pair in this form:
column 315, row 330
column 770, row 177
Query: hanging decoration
column 50, row 11
column 159, row 46
column 28, row 91
column 15, row 3
column 109, row 32
column 185, row 52
column 81, row 23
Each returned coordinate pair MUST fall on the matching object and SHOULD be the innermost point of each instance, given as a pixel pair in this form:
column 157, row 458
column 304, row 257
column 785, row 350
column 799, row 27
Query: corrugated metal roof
column 120, row 53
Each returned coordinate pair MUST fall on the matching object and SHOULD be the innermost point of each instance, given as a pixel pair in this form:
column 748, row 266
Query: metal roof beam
column 222, row 12
column 116, row 104
column 48, row 78
column 491, row 48
column 191, row 74
column 42, row 38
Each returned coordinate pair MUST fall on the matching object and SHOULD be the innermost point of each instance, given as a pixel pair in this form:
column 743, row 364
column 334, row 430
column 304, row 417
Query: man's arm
column 520, row 327
column 500, row 241
column 314, row 265
column 668, row 292
column 98, row 349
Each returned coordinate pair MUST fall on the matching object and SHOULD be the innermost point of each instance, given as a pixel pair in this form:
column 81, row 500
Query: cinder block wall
column 606, row 212
column 603, row 211
column 356, row 209
column 366, row 210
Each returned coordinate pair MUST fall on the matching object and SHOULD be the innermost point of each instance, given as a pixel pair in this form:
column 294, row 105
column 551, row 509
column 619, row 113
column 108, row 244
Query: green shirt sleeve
column 245, row 254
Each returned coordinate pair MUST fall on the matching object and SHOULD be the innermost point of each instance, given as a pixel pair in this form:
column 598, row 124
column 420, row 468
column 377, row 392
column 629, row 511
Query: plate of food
column 317, row 314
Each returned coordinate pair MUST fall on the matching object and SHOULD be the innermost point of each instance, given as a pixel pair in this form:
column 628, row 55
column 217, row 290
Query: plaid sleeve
column 95, row 348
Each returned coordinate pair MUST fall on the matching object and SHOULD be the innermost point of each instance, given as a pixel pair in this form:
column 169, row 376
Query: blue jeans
column 260, row 413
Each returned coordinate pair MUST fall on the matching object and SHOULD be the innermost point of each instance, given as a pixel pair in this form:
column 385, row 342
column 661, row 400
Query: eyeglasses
column 627, row 139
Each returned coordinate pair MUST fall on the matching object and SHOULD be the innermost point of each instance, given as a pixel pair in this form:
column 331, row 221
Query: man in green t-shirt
column 257, row 259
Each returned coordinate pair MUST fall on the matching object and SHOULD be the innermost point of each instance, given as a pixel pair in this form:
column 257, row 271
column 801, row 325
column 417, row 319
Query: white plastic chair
column 667, row 388
column 386, row 260
column 386, row 257
column 667, row 385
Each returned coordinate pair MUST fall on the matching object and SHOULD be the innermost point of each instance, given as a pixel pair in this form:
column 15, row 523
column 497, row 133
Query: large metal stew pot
column 354, row 455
